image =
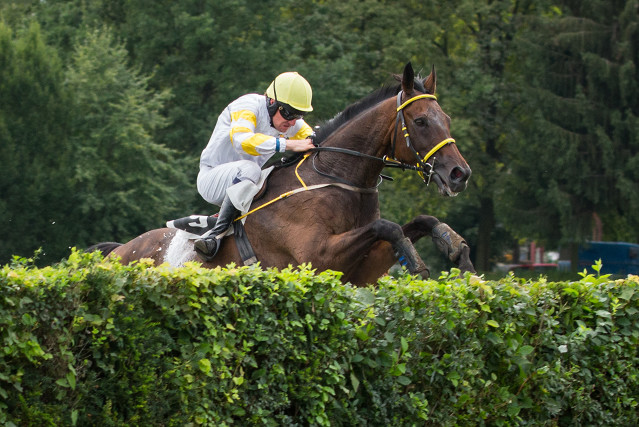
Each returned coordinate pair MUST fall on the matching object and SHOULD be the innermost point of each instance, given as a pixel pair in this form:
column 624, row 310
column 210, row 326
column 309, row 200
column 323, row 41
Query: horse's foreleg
column 403, row 248
column 445, row 238
column 453, row 245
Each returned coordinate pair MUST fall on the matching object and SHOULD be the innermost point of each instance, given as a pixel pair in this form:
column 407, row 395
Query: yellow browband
column 427, row 95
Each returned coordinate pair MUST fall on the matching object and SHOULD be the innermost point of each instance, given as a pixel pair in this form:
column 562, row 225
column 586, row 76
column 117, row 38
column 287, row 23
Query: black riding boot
column 208, row 246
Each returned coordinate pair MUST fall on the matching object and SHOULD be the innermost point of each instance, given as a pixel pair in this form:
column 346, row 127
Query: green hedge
column 91, row 342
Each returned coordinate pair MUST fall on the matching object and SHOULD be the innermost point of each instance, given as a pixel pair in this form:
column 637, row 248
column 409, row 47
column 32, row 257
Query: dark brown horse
column 338, row 227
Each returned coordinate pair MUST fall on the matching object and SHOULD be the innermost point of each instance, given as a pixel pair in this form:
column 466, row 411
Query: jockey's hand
column 299, row 145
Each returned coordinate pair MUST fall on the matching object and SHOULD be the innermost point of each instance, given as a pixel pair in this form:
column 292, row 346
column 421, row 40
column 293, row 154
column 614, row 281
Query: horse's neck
column 369, row 133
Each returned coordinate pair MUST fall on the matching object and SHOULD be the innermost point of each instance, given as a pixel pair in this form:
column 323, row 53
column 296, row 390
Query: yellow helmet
column 292, row 89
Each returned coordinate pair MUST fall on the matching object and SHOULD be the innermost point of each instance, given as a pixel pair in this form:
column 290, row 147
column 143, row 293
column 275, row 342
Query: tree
column 124, row 183
column 479, row 39
column 81, row 163
column 579, row 162
column 33, row 146
column 209, row 52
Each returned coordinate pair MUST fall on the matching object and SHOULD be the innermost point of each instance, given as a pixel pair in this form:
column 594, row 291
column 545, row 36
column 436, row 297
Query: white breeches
column 212, row 183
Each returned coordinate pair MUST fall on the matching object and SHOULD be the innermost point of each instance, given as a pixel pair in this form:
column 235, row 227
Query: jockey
column 248, row 132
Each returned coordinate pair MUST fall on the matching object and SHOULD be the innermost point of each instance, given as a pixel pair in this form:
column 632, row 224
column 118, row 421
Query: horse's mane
column 328, row 127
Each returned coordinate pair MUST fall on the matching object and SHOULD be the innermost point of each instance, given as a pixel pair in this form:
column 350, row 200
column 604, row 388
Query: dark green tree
column 124, row 182
column 209, row 52
column 578, row 166
column 34, row 183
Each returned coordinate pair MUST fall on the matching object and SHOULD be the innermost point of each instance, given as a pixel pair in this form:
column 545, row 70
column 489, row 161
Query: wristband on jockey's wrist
column 280, row 144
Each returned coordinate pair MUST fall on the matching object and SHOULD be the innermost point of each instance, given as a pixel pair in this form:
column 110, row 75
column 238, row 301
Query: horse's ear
column 430, row 82
column 408, row 79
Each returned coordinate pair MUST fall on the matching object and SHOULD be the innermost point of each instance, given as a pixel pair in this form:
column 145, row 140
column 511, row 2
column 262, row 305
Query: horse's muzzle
column 459, row 177
column 454, row 182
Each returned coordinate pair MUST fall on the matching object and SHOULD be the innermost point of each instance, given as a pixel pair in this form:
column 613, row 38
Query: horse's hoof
column 425, row 273
column 448, row 241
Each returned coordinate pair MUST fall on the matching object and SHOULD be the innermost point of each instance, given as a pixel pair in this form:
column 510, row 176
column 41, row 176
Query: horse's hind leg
column 366, row 253
column 374, row 264
column 445, row 238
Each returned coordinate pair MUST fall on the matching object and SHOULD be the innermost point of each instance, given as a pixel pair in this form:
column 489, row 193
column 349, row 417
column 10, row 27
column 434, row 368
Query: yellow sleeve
column 243, row 133
column 304, row 132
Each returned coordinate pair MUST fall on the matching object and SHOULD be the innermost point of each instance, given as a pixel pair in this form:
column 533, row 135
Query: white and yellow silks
column 244, row 132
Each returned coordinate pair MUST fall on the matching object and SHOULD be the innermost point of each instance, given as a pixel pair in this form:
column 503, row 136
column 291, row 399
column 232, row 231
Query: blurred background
column 105, row 106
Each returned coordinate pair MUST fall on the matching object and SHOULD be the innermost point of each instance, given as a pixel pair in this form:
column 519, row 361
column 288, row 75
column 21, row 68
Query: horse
column 325, row 210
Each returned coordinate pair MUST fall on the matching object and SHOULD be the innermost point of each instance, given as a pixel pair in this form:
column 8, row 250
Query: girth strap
column 243, row 245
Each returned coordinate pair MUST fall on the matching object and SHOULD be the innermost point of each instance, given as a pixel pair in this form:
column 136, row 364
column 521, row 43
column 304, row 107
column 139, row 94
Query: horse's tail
column 104, row 247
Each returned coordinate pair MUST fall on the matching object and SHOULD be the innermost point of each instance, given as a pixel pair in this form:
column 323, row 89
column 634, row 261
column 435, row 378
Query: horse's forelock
column 328, row 127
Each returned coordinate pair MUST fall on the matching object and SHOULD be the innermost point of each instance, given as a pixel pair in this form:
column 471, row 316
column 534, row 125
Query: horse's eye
column 420, row 121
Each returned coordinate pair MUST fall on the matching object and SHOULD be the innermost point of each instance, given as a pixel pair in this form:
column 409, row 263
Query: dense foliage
column 90, row 342
column 583, row 69
column 107, row 105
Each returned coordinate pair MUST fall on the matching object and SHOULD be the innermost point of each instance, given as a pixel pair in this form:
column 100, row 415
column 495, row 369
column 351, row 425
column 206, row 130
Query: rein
column 305, row 187
column 390, row 163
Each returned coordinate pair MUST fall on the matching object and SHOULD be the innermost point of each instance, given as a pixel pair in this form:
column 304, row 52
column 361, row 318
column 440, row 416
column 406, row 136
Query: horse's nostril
column 458, row 175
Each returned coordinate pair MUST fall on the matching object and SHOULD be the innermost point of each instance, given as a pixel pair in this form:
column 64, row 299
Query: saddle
column 199, row 225
column 194, row 224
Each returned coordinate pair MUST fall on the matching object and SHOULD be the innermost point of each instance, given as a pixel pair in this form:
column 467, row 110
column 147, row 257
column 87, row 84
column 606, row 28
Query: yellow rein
column 284, row 195
column 305, row 187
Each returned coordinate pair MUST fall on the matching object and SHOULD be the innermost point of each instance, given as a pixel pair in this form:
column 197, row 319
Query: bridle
column 422, row 162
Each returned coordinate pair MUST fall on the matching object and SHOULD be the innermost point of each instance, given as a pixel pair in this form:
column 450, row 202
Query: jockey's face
column 281, row 124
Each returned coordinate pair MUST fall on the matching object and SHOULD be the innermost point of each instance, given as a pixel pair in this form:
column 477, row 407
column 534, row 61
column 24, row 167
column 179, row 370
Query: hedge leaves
column 92, row 342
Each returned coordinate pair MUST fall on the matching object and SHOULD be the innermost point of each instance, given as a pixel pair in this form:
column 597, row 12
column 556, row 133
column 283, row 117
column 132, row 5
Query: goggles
column 289, row 115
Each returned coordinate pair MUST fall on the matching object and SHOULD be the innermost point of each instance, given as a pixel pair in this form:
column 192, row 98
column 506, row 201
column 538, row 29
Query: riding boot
column 208, row 246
